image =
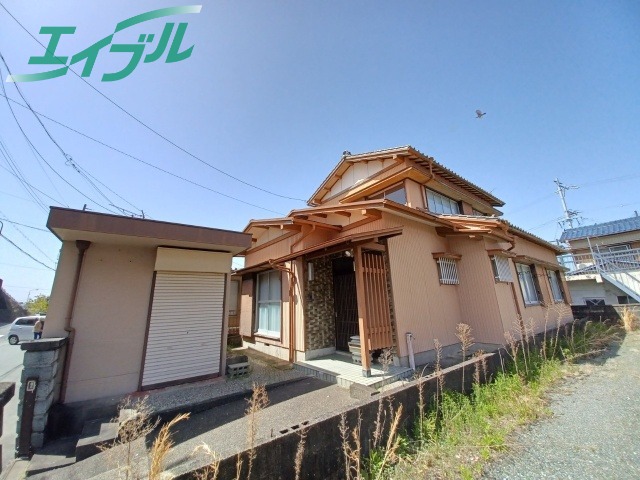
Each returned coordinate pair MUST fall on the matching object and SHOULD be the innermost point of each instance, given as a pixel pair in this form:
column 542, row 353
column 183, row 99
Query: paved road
column 594, row 430
column 10, row 370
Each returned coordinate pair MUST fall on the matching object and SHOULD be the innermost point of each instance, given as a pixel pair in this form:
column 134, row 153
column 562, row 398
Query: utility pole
column 569, row 215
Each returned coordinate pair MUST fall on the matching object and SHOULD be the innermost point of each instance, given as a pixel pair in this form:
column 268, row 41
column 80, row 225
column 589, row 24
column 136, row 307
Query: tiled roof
column 602, row 229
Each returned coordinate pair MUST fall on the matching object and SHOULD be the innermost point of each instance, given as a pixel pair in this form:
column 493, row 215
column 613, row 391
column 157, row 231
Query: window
column 438, row 203
column 615, row 248
column 395, row 194
column 448, row 271
column 556, row 285
column 526, row 278
column 269, row 301
column 501, row 270
column 624, row 299
column 594, row 302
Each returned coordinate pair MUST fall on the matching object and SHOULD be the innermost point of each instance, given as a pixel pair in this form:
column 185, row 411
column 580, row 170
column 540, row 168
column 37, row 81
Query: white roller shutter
column 185, row 328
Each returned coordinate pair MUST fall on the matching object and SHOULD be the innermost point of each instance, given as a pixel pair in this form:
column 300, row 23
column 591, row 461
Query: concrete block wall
column 42, row 361
column 323, row 458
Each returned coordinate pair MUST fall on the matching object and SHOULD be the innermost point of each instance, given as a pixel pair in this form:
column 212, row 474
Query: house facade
column 604, row 263
column 143, row 303
column 396, row 249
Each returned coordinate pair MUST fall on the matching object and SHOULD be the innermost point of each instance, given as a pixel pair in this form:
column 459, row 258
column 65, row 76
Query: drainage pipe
column 82, row 246
column 412, row 359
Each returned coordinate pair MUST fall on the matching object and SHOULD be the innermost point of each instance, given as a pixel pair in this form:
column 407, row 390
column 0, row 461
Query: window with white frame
column 438, row 203
column 556, row 285
column 526, row 278
column 501, row 269
column 269, row 303
column 448, row 271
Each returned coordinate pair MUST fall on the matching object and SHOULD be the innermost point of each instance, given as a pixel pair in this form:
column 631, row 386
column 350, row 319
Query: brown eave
column 69, row 224
column 347, row 240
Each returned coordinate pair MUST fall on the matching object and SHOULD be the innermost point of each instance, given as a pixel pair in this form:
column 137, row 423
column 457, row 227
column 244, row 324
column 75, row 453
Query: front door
column 344, row 302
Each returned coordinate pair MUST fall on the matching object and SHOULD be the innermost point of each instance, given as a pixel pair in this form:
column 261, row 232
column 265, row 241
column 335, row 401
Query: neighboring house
column 143, row 302
column 604, row 263
column 393, row 243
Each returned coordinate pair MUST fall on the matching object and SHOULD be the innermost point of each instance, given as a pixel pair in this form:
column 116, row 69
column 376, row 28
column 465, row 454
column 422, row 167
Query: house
column 397, row 249
column 142, row 302
column 604, row 263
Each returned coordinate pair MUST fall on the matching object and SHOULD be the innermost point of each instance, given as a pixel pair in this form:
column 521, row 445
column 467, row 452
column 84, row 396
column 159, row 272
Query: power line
column 20, row 266
column 68, row 158
column 29, row 240
column 4, row 219
column 15, row 170
column 26, row 253
column 35, row 188
column 137, row 159
column 26, row 137
column 152, row 130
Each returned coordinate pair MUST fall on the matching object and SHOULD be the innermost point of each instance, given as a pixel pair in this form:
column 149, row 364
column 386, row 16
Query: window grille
column 556, row 288
column 501, row 270
column 448, row 271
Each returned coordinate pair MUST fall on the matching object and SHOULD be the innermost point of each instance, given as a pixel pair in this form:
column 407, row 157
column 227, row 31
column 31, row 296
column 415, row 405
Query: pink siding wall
column 423, row 306
column 478, row 300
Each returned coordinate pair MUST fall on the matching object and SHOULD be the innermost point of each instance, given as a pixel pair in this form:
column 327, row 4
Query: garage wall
column 110, row 319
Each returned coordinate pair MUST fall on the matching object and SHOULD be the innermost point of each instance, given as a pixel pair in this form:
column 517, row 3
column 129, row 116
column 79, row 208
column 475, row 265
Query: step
column 96, row 435
column 58, row 454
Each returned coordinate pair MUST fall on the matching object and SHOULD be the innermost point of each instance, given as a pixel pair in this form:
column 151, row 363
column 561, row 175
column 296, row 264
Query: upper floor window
column 269, row 302
column 556, row 285
column 528, row 284
column 395, row 194
column 438, row 203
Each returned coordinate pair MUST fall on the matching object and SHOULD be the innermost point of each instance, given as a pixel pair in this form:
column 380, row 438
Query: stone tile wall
column 320, row 321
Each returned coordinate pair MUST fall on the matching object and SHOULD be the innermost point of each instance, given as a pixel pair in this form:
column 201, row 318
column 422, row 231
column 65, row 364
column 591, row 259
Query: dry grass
column 161, row 447
column 258, row 402
column 300, row 453
column 463, row 332
column 630, row 319
column 351, row 448
column 210, row 472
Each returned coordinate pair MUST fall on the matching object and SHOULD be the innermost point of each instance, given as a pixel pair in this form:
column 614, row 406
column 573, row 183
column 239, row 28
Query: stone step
column 96, row 435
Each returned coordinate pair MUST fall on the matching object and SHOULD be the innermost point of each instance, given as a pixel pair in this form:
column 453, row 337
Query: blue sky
column 274, row 92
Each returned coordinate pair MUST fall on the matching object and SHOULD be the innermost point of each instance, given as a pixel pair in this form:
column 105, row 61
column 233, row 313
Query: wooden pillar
column 365, row 350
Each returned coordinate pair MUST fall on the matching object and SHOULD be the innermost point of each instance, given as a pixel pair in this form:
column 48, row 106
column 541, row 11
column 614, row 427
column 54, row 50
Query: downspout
column 412, row 359
column 82, row 246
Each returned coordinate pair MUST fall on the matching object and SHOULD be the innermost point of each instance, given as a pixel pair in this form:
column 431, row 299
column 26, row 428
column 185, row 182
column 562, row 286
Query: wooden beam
column 295, row 228
column 300, row 216
column 371, row 213
column 362, row 313
column 343, row 213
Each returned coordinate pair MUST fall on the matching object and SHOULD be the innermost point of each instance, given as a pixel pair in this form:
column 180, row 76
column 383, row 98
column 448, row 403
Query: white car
column 22, row 328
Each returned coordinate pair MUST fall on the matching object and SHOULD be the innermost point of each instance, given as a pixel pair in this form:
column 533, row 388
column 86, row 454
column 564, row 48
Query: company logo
column 90, row 54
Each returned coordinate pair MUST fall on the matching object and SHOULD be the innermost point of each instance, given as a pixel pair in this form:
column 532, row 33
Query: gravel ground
column 593, row 432
column 264, row 371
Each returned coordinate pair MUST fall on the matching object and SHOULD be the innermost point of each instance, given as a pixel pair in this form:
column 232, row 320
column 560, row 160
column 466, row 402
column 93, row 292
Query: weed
column 629, row 319
column 463, row 332
column 161, row 446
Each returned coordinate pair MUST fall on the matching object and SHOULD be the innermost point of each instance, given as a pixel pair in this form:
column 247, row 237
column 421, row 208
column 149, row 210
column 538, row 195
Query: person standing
column 37, row 329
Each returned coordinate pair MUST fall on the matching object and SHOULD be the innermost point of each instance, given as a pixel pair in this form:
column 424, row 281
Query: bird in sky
column 479, row 114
